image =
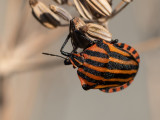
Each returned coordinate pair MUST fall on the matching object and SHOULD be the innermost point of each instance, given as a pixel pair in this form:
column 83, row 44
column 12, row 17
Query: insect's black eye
column 67, row 62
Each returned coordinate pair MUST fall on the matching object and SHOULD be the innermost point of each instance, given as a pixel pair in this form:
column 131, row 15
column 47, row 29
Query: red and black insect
column 107, row 66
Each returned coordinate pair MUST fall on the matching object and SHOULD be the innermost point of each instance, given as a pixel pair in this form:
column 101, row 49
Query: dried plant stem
column 32, row 46
column 1, row 90
column 64, row 25
column 10, row 109
column 33, row 2
column 19, row 29
column 119, row 8
column 12, row 29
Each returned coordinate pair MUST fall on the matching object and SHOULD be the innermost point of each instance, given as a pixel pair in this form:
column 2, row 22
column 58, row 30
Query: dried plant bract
column 93, row 9
column 61, row 1
column 44, row 15
column 64, row 14
column 95, row 31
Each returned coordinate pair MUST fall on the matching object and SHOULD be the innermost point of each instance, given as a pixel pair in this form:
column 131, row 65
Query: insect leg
column 114, row 41
column 65, row 42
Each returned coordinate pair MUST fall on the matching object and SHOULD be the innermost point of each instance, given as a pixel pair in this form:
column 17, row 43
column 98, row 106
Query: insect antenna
column 54, row 55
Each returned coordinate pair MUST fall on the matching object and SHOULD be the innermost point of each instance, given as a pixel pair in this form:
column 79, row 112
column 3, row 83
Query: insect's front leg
column 64, row 44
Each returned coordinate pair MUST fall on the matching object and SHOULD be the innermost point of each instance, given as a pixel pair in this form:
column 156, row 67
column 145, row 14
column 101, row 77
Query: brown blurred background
column 37, row 87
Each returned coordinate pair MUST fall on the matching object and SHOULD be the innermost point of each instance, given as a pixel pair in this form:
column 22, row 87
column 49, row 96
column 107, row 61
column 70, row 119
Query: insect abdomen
column 106, row 66
column 131, row 50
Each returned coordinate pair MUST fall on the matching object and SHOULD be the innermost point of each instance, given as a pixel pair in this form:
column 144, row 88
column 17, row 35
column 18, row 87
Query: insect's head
column 70, row 60
column 75, row 59
column 67, row 61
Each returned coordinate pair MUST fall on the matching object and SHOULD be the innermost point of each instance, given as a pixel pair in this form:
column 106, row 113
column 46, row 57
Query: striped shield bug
column 106, row 65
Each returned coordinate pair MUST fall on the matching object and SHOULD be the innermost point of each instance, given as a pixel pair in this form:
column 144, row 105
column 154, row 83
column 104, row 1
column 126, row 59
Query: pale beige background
column 53, row 91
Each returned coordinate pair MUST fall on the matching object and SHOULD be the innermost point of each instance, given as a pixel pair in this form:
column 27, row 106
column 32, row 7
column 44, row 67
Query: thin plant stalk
column 119, row 8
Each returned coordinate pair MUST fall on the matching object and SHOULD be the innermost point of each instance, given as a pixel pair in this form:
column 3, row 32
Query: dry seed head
column 100, row 6
column 45, row 16
column 61, row 12
column 127, row 1
column 90, row 9
column 33, row 2
column 106, row 6
column 61, row 1
column 83, row 9
column 78, row 23
column 95, row 31
column 110, row 2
